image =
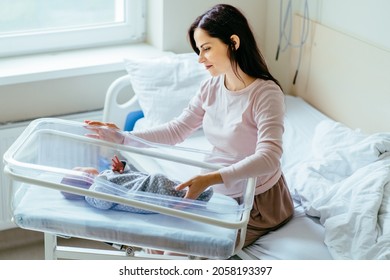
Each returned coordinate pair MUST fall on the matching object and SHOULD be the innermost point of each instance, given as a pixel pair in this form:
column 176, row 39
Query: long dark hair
column 222, row 21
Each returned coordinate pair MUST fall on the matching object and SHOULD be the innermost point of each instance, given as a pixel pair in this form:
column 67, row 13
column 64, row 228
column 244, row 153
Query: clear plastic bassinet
column 44, row 159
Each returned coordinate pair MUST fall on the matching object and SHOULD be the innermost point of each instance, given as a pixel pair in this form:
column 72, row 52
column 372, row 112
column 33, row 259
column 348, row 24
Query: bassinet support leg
column 50, row 246
column 55, row 252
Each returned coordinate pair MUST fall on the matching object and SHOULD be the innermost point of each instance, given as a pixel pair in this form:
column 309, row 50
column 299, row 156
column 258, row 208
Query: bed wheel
column 130, row 251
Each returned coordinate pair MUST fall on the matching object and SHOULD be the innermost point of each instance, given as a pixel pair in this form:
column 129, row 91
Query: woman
column 241, row 110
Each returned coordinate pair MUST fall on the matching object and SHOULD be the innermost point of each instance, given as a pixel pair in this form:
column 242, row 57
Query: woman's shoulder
column 265, row 88
column 264, row 92
column 267, row 85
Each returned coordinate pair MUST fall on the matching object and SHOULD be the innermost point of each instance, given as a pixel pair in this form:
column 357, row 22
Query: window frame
column 132, row 30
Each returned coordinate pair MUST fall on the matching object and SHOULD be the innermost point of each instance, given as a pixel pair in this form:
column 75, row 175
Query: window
column 31, row 26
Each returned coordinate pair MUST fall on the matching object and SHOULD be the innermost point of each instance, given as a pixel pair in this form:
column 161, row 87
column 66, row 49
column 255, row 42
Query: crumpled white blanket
column 346, row 183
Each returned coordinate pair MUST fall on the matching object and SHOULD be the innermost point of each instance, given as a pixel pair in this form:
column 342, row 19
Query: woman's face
column 213, row 53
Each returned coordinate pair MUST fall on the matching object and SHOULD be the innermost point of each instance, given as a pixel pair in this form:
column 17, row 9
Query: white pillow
column 336, row 140
column 330, row 136
column 164, row 86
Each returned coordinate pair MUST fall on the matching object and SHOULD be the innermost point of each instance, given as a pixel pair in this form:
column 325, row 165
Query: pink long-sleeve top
column 247, row 125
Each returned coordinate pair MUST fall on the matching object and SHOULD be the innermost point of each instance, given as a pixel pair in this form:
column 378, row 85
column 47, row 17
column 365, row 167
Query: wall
column 345, row 78
column 173, row 17
column 345, row 61
column 54, row 97
column 365, row 20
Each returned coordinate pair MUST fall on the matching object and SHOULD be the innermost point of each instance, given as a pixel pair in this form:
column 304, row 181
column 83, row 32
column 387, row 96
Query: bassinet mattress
column 46, row 210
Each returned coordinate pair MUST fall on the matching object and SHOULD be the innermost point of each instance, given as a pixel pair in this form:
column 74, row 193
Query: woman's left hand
column 199, row 184
column 105, row 131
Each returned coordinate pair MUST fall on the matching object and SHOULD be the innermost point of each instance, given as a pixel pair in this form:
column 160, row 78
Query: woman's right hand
column 105, row 131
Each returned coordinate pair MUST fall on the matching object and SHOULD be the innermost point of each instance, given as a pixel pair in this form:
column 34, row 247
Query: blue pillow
column 131, row 119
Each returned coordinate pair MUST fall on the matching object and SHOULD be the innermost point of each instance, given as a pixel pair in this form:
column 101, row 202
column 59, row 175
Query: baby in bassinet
column 123, row 178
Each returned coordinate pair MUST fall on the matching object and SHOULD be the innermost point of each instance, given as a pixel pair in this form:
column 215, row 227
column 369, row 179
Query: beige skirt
column 271, row 210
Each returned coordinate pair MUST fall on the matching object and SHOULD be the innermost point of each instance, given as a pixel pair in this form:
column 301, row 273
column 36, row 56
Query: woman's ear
column 235, row 40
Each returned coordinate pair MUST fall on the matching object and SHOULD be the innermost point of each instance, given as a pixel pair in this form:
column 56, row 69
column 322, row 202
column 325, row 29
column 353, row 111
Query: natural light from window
column 29, row 26
column 44, row 15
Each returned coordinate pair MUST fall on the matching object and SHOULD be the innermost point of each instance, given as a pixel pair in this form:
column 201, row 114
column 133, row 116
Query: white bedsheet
column 346, row 183
column 300, row 239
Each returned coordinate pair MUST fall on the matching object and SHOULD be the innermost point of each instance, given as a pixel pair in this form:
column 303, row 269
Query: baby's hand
column 117, row 165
